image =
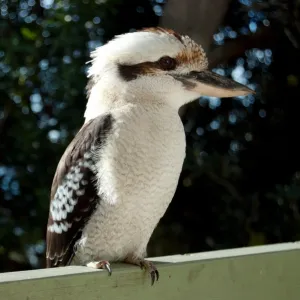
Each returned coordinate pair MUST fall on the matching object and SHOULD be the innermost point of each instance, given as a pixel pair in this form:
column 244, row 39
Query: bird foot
column 145, row 265
column 150, row 267
column 101, row 264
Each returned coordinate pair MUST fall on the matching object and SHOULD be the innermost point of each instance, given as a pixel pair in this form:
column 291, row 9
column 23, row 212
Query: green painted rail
column 254, row 273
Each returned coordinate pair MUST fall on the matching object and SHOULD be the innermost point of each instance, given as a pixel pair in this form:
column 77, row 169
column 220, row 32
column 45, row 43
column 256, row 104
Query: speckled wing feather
column 73, row 193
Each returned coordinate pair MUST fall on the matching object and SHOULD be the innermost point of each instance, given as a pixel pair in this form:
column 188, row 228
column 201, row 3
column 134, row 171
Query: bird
column 119, row 174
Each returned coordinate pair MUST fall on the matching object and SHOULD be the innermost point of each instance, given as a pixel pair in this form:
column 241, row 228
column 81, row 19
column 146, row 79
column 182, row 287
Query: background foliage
column 240, row 182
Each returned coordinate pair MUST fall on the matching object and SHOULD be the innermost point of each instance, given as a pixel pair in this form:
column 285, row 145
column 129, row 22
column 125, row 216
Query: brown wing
column 73, row 193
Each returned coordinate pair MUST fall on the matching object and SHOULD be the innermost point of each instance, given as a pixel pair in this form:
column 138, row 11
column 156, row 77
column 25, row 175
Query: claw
column 107, row 267
column 152, row 277
column 157, row 275
column 145, row 265
column 102, row 264
column 149, row 266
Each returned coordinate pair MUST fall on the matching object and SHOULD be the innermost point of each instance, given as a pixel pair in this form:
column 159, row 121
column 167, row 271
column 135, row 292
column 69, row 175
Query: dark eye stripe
column 131, row 72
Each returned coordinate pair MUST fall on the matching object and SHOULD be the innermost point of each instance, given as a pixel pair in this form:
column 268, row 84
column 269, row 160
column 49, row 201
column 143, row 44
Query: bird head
column 157, row 65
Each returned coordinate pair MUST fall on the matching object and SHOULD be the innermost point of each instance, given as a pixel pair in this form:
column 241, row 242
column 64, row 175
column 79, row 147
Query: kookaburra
column 119, row 174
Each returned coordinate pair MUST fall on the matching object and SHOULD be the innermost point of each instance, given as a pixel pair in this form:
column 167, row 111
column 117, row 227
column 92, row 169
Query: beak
column 207, row 83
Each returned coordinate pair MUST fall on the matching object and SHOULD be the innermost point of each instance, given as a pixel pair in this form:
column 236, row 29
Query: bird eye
column 167, row 63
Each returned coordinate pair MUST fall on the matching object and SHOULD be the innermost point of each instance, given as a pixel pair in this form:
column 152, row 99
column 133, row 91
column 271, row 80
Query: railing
column 253, row 273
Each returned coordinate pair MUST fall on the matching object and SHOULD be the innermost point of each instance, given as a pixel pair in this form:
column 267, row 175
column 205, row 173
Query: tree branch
column 199, row 19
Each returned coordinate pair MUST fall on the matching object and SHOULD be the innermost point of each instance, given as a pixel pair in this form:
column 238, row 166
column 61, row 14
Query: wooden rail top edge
column 172, row 259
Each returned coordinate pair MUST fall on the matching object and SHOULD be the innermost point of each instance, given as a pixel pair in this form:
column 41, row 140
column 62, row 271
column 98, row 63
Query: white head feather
column 133, row 48
column 108, row 88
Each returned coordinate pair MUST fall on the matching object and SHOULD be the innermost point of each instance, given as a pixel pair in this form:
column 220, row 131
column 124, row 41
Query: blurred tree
column 44, row 49
column 242, row 157
column 240, row 182
column 199, row 19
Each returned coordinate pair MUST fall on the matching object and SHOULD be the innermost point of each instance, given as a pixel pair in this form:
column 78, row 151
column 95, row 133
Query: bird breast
column 137, row 174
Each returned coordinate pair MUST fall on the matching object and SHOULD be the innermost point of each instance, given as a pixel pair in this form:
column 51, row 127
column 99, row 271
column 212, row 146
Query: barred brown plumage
column 74, row 195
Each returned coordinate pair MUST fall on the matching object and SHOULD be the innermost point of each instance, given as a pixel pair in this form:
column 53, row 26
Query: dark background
column 240, row 184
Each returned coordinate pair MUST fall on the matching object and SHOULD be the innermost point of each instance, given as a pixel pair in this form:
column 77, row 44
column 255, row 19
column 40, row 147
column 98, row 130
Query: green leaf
column 28, row 34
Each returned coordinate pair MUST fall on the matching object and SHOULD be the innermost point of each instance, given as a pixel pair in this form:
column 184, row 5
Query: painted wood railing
column 253, row 273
